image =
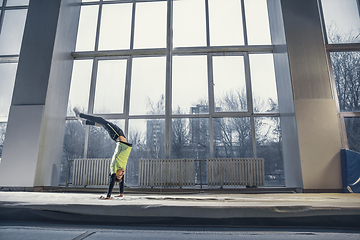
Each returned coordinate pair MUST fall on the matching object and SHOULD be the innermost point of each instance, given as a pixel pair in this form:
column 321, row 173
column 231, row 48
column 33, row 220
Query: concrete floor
column 296, row 209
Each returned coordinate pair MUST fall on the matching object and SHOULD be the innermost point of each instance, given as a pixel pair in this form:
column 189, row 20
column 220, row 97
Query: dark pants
column 112, row 183
column 113, row 130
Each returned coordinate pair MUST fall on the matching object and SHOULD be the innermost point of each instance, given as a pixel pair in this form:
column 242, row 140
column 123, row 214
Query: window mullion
column 133, row 25
column 127, row 93
column 244, row 22
column 250, row 99
column 207, row 23
column 211, row 101
column 168, row 91
column 97, row 37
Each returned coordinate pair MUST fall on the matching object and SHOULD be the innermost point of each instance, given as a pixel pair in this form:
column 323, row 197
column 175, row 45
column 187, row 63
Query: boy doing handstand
column 121, row 153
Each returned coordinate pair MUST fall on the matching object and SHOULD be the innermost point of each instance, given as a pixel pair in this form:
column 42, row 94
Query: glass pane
column 110, row 86
column 100, row 143
column 346, row 73
column 11, row 3
column 190, row 138
column 12, row 31
column 257, row 22
column 74, row 140
column 2, row 137
column 7, row 80
column 353, row 133
column 190, row 84
column 263, row 83
column 1, row 2
column 232, row 137
column 229, row 83
column 115, row 26
column 90, row 0
column 226, row 27
column 269, row 147
column 80, row 86
column 342, row 20
column 150, row 25
column 189, row 23
column 73, row 148
column 148, row 139
column 148, row 86
column 87, row 28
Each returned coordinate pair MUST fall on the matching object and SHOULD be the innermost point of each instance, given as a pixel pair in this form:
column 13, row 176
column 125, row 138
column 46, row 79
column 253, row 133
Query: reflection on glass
column 189, row 23
column 110, row 86
column 148, row 139
column 1, row 3
column 87, row 28
column 2, row 137
column 115, row 26
column 226, row 27
column 232, row 137
column 11, row 3
column 342, row 20
column 100, row 143
column 80, row 86
column 148, row 86
column 150, row 25
column 269, row 147
column 90, row 0
column 190, row 138
column 189, row 85
column 346, row 73
column 12, row 31
column 263, row 83
column 353, row 133
column 7, row 76
column 229, row 83
column 257, row 22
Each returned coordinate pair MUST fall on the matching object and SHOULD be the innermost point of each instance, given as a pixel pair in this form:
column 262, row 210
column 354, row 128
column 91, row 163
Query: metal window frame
column 3, row 8
column 168, row 52
column 8, row 58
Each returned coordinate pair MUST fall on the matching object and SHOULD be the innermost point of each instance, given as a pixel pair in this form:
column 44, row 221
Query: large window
column 342, row 28
column 12, row 22
column 183, row 79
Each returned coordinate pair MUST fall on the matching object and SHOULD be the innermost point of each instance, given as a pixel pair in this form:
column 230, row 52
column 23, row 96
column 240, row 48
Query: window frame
column 168, row 52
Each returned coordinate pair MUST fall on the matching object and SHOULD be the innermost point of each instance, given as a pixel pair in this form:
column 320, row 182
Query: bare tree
column 179, row 136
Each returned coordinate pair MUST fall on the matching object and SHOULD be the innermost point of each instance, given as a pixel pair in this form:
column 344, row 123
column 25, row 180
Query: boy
column 121, row 153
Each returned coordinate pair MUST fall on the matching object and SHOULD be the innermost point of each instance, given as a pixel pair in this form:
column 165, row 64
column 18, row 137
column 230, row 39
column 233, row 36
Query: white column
column 316, row 116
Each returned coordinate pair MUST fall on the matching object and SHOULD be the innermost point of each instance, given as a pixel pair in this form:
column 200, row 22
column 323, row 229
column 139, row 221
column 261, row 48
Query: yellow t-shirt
column 120, row 157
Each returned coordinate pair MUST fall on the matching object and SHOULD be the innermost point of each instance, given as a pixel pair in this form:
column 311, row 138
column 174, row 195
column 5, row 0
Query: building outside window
column 183, row 79
column 12, row 21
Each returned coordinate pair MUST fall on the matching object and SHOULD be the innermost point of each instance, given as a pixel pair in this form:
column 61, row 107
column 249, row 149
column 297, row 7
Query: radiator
column 166, row 172
column 94, row 171
column 235, row 172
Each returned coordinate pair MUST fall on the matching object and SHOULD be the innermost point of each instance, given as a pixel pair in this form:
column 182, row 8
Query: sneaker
column 77, row 112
